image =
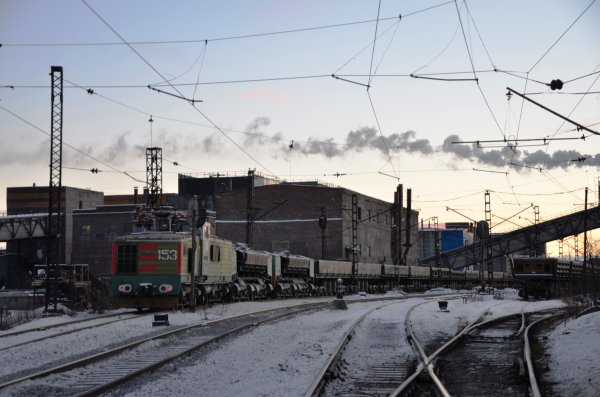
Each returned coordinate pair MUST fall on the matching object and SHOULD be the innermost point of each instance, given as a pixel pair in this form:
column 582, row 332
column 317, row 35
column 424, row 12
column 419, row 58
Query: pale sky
column 264, row 90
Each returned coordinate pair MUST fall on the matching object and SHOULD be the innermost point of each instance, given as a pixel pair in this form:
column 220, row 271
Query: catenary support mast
column 53, row 234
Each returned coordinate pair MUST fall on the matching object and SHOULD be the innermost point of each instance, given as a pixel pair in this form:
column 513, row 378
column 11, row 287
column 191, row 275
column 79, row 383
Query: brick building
column 286, row 217
column 207, row 188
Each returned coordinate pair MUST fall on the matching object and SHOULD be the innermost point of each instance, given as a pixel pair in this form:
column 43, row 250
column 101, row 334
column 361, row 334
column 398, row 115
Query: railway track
column 97, row 373
column 21, row 338
column 64, row 324
column 372, row 359
column 488, row 358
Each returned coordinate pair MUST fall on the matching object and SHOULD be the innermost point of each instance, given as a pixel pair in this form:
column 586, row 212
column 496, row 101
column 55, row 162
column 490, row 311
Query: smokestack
column 146, row 194
column 135, row 195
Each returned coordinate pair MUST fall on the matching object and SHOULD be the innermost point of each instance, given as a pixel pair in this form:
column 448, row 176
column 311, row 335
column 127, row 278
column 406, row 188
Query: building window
column 359, row 214
column 368, row 250
column 86, row 229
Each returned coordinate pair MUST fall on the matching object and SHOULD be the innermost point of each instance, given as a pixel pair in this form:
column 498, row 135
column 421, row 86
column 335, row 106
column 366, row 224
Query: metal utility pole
column 193, row 208
column 53, row 234
column 398, row 237
column 489, row 253
column 585, row 216
column 436, row 241
column 154, row 176
column 323, row 226
column 354, row 237
column 407, row 244
column 250, row 208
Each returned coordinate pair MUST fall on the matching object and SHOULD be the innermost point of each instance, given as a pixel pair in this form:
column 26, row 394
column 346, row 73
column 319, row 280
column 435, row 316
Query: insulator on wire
column 556, row 85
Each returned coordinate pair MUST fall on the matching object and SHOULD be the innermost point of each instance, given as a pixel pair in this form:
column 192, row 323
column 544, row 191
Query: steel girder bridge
column 528, row 238
column 21, row 227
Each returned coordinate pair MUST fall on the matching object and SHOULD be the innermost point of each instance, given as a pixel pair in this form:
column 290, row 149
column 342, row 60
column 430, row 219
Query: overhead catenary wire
column 161, row 76
column 474, row 73
column 387, row 150
column 247, row 133
column 70, row 146
column 479, row 35
column 254, row 80
column 465, row 39
column 582, row 77
column 374, row 42
column 364, row 48
column 440, row 53
column 561, row 36
column 225, row 38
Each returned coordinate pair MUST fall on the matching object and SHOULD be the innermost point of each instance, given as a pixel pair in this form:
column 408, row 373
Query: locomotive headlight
column 125, row 288
column 165, row 288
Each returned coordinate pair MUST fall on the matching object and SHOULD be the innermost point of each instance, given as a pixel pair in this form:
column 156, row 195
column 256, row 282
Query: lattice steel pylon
column 154, row 176
column 53, row 232
column 488, row 220
column 537, row 249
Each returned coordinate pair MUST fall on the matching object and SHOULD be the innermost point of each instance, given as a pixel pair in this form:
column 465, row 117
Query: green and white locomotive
column 154, row 269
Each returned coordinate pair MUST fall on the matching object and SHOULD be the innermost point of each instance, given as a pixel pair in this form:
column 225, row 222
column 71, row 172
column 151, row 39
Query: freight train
column 550, row 277
column 156, row 269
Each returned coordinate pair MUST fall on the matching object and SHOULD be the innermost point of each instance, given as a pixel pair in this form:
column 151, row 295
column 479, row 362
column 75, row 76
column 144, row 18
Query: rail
column 162, row 360
column 319, row 382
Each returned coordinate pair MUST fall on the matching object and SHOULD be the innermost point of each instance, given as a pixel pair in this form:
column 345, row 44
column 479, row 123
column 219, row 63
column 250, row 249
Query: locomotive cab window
column 215, row 253
column 126, row 258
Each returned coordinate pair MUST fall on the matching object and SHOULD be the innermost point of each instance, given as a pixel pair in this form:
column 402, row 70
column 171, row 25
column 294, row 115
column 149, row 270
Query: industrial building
column 207, row 187
column 310, row 219
column 434, row 240
column 34, row 200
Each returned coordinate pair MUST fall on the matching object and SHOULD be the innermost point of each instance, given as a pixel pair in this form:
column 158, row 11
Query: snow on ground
column 62, row 347
column 274, row 359
column 283, row 357
column 432, row 325
column 574, row 356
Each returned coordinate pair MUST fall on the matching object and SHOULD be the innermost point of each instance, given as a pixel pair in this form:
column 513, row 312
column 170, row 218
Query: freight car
column 546, row 277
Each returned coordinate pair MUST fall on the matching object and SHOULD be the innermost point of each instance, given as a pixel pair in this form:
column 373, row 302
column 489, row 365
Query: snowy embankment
column 574, row 356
